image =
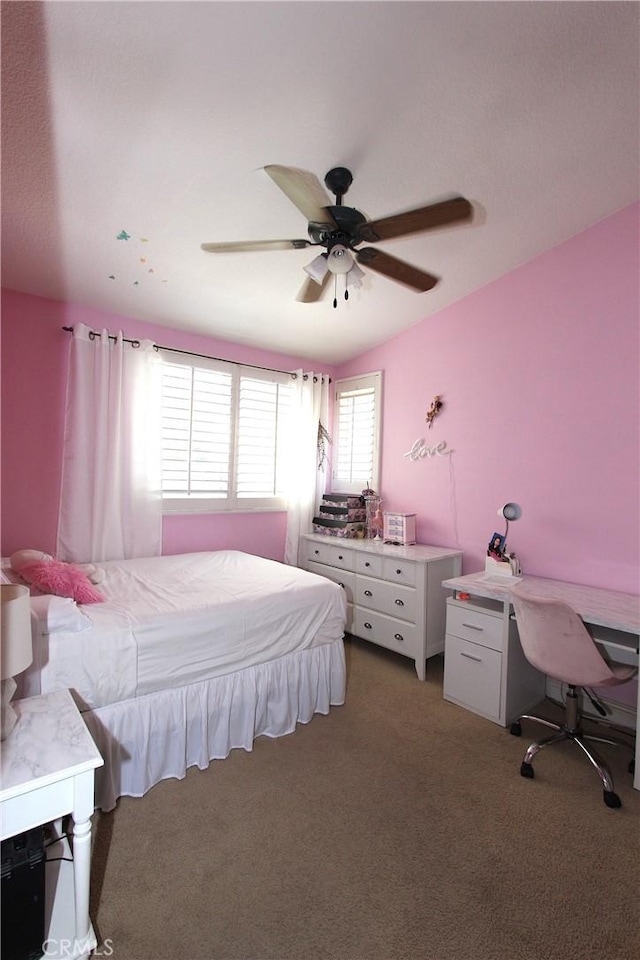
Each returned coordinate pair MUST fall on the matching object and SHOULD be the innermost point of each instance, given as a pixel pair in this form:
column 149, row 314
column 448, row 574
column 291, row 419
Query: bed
column 189, row 657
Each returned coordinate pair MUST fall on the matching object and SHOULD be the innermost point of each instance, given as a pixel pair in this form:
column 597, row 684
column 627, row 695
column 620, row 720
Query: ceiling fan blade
column 396, row 269
column 414, row 221
column 310, row 291
column 242, row 245
column 305, row 191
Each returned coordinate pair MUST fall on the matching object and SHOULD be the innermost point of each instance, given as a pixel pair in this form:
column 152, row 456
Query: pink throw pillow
column 62, row 580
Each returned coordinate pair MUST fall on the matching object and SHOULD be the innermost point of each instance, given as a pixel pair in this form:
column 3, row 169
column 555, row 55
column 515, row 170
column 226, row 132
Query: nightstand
column 47, row 767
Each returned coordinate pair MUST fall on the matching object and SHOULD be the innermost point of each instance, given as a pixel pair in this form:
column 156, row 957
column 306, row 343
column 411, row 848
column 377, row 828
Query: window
column 356, row 430
column 224, row 430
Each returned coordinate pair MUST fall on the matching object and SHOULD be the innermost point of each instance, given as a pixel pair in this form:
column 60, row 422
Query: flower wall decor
column 434, row 409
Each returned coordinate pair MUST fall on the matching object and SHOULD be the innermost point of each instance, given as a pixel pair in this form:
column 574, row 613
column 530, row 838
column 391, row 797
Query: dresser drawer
column 332, row 553
column 399, row 571
column 478, row 626
column 345, row 578
column 385, row 631
column 368, row 563
column 472, row 676
column 393, row 599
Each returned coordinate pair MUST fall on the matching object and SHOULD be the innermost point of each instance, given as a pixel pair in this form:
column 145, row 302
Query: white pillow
column 56, row 614
column 6, row 572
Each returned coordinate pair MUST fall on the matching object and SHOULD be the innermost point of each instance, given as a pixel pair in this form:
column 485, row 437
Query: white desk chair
column 555, row 640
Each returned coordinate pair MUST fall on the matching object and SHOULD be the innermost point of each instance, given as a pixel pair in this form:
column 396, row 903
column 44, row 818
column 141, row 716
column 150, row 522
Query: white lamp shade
column 318, row 268
column 510, row 511
column 339, row 259
column 15, row 626
column 355, row 276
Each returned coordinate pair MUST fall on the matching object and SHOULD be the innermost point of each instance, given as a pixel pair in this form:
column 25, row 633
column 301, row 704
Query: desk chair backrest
column 555, row 640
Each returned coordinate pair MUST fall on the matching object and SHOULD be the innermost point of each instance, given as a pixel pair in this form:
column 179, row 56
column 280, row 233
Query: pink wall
column 34, row 363
column 539, row 374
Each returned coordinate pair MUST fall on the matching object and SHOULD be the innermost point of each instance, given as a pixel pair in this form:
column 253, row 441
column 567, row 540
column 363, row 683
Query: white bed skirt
column 161, row 735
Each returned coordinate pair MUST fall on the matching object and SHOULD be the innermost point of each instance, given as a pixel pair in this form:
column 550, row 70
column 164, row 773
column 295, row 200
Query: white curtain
column 306, row 480
column 110, row 502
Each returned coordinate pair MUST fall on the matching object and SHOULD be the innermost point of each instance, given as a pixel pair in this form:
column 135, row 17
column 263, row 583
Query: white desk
column 47, row 767
column 613, row 619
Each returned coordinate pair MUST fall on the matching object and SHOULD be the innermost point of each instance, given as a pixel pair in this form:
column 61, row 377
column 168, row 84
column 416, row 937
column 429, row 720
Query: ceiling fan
column 340, row 230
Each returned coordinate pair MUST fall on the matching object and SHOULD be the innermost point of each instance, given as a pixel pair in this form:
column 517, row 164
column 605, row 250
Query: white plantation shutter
column 196, row 431
column 356, row 419
column 223, row 436
column 263, row 413
column 356, row 433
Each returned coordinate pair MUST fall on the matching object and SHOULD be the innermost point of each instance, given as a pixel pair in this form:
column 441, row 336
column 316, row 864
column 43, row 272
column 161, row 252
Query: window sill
column 186, row 507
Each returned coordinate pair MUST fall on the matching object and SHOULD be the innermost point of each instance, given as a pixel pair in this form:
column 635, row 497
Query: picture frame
column 497, row 545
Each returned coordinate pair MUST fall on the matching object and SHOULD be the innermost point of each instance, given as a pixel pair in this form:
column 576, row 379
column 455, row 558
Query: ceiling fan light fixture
column 318, row 268
column 340, row 259
column 355, row 276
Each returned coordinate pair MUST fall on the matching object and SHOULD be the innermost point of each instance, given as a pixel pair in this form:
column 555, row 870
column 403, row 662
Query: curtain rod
column 136, row 343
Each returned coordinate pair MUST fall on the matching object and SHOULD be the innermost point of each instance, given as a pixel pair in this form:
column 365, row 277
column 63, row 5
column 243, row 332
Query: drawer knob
column 398, row 571
column 400, row 603
column 469, row 657
column 473, row 626
column 367, row 564
column 340, row 557
column 368, row 626
column 316, row 552
column 398, row 636
column 368, row 593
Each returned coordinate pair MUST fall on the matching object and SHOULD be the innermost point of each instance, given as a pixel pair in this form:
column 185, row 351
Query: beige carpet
column 396, row 827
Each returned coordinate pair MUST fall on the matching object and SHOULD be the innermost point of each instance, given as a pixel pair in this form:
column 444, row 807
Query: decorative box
column 399, row 528
column 341, row 510
column 341, row 515
column 337, row 528
column 348, row 501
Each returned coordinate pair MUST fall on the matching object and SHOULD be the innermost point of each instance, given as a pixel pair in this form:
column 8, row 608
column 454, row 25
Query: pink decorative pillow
column 26, row 558
column 62, row 580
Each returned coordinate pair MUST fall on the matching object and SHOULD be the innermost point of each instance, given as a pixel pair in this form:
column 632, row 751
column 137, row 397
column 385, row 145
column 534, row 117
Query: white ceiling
column 156, row 119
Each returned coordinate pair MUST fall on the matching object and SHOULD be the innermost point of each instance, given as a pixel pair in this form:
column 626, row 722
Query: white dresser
column 394, row 593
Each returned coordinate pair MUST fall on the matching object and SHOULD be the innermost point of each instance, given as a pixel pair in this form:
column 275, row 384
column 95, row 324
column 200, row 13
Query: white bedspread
column 176, row 620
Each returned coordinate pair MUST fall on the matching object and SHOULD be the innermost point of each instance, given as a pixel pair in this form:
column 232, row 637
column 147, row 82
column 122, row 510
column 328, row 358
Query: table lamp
column 17, row 650
column 510, row 511
column 499, row 561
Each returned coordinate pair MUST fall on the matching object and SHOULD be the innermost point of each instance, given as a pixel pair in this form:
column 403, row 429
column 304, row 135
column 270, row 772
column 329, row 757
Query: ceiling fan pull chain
column 346, row 287
column 335, row 290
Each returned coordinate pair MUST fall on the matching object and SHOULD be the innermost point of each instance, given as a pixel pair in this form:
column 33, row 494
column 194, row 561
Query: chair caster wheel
column 516, row 729
column 611, row 799
column 526, row 770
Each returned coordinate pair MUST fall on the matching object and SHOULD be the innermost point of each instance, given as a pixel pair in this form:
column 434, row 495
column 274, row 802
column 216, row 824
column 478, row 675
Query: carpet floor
column 395, row 828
